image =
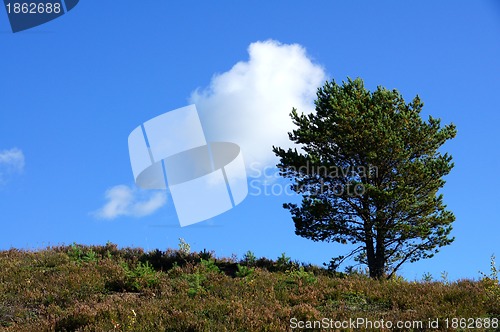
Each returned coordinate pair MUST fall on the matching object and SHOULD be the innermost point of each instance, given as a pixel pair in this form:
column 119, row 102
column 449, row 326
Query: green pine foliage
column 369, row 169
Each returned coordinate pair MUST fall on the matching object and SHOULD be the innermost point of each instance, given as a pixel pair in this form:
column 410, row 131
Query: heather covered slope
column 103, row 288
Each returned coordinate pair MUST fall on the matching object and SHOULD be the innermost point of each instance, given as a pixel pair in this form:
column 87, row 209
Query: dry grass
column 103, row 288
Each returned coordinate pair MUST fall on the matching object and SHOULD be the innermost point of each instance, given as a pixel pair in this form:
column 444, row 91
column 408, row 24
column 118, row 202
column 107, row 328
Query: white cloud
column 125, row 201
column 11, row 161
column 250, row 104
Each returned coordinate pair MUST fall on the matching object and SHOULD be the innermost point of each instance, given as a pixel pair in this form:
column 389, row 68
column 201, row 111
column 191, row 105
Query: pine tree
column 369, row 170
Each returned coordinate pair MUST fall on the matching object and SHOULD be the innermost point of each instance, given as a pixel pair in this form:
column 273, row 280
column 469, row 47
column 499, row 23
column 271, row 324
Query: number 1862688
column 33, row 8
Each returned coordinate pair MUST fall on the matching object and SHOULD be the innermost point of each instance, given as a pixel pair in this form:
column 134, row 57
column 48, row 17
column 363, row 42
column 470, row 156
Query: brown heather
column 103, row 288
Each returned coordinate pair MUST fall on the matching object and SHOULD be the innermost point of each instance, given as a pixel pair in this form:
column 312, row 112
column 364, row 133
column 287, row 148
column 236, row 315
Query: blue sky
column 73, row 89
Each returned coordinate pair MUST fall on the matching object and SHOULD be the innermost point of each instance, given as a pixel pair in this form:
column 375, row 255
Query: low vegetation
column 103, row 288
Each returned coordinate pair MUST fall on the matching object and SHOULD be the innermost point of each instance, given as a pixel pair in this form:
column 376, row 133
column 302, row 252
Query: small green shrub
column 244, row 271
column 75, row 253
column 90, row 256
column 427, row 277
column 302, row 276
column 78, row 254
column 249, row 258
column 142, row 276
column 397, row 279
column 444, row 277
column 209, row 265
column 283, row 262
column 206, row 255
column 195, row 281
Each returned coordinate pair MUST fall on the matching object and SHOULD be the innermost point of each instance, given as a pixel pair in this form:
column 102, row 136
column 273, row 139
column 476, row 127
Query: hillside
column 103, row 288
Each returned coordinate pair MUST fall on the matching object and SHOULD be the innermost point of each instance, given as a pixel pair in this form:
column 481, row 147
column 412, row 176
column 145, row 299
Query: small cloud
column 125, row 201
column 11, row 161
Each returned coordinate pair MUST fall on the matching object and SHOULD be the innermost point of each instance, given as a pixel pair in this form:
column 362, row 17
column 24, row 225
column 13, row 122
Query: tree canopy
column 369, row 170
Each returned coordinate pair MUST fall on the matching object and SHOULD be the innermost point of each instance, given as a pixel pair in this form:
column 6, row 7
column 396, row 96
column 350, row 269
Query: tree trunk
column 370, row 255
column 380, row 255
column 375, row 256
